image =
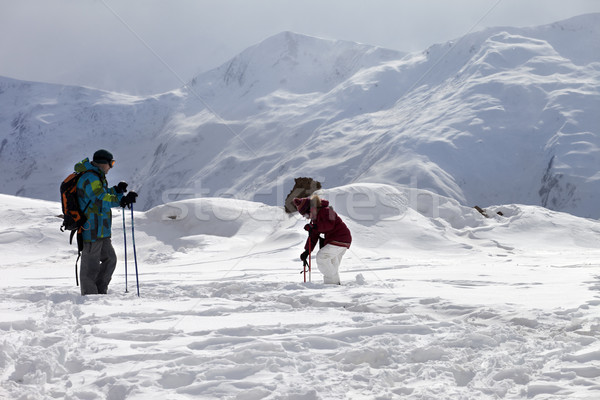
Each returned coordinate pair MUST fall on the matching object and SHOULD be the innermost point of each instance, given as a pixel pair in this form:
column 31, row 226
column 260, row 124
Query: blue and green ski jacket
column 97, row 199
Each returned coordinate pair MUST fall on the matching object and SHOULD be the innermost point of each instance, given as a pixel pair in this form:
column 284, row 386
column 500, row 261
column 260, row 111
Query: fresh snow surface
column 436, row 302
column 501, row 116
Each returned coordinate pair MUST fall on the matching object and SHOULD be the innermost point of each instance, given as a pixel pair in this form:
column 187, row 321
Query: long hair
column 315, row 201
column 315, row 206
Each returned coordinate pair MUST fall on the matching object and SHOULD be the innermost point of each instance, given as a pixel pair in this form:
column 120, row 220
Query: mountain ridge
column 500, row 116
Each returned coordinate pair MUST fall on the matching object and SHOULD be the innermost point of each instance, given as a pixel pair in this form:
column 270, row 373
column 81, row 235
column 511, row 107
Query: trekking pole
column 125, row 246
column 309, row 259
column 304, row 264
column 137, row 281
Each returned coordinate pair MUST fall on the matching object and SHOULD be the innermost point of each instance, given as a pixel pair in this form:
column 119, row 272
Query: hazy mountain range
column 505, row 115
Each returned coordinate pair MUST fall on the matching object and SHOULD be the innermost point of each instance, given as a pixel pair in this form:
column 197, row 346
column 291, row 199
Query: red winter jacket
column 331, row 225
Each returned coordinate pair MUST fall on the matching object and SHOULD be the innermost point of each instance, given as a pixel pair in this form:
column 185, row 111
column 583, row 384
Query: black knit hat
column 103, row 157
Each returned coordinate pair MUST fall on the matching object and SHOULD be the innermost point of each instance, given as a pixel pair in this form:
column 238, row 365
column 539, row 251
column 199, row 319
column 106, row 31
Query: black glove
column 304, row 256
column 121, row 187
column 128, row 199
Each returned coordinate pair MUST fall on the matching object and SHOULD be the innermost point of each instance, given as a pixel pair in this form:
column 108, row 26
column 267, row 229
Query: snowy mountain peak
column 296, row 63
column 575, row 38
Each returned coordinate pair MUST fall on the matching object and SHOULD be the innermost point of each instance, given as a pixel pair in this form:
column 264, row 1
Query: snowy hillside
column 505, row 115
column 436, row 303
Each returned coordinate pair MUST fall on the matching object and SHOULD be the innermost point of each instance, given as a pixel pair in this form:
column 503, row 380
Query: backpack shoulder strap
column 79, row 175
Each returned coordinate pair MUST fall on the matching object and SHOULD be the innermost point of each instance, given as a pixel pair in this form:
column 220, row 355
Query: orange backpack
column 73, row 217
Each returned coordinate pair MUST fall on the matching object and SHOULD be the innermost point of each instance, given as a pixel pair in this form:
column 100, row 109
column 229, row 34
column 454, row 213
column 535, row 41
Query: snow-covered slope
column 505, row 115
column 436, row 302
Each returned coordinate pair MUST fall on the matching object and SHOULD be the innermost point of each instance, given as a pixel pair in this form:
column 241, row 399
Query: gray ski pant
column 98, row 262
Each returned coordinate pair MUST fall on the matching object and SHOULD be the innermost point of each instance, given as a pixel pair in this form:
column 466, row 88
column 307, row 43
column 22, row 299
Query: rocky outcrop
column 303, row 187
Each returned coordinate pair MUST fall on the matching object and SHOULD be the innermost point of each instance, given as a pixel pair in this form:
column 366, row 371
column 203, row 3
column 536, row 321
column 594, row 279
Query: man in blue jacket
column 98, row 258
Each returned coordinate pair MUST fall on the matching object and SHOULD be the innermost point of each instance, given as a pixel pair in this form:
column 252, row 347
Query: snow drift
column 437, row 302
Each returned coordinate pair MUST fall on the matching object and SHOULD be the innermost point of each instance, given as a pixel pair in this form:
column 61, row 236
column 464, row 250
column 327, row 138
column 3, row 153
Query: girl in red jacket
column 337, row 236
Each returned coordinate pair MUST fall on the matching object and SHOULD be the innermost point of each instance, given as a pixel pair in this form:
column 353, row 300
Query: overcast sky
column 150, row 46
